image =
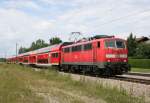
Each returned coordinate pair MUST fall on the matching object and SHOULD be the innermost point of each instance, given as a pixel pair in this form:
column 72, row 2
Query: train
column 99, row 55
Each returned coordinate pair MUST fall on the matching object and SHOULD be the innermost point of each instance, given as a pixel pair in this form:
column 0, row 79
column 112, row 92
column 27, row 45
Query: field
column 20, row 84
column 140, row 63
column 142, row 70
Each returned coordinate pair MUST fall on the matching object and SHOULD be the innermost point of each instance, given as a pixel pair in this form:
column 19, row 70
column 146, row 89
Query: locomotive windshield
column 120, row 44
column 115, row 44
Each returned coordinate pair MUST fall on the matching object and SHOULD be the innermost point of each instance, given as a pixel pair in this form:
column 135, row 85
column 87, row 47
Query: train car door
column 94, row 52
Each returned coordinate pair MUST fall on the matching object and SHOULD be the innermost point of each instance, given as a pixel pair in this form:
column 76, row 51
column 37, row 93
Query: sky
column 24, row 21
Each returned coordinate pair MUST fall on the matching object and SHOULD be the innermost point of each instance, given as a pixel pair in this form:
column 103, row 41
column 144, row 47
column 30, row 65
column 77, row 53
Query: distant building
column 143, row 40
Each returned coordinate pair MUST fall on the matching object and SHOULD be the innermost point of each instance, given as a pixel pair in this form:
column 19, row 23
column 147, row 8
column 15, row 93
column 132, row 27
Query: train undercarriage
column 109, row 69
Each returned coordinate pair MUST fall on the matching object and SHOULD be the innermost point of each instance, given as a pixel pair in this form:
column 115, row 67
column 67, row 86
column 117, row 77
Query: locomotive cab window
column 115, row 44
column 110, row 44
column 98, row 44
column 120, row 44
column 88, row 46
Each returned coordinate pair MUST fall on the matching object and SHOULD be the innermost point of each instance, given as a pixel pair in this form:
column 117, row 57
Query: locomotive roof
column 90, row 41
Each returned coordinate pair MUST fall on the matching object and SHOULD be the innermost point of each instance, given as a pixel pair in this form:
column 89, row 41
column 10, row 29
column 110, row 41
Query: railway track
column 131, row 79
column 139, row 74
column 140, row 80
column 135, row 79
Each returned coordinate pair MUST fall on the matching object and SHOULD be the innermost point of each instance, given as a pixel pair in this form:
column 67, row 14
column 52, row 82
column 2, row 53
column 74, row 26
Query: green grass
column 20, row 84
column 140, row 63
column 13, row 88
column 142, row 70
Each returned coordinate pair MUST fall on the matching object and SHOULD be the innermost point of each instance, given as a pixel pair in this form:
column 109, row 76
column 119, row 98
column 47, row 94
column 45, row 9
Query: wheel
column 107, row 72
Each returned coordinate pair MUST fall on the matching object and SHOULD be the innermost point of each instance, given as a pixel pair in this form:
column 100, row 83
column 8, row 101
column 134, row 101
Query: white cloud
column 18, row 27
column 89, row 17
column 21, row 4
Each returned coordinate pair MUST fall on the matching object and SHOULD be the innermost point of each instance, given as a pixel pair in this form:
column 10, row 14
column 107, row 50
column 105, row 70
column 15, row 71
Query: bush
column 140, row 63
column 143, row 51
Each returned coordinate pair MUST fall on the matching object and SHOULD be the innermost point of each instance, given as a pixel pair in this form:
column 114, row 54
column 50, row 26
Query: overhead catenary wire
column 126, row 16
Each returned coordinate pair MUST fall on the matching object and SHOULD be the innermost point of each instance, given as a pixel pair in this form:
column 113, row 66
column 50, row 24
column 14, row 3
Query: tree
column 35, row 45
column 38, row 44
column 143, row 51
column 55, row 40
column 132, row 45
column 23, row 50
column 2, row 59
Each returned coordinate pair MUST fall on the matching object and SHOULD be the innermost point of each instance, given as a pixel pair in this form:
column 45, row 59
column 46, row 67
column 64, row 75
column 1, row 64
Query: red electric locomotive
column 102, row 56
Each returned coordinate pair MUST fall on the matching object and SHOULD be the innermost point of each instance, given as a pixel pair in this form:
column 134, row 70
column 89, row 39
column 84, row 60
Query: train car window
column 88, row 46
column 43, row 61
column 55, row 55
column 98, row 44
column 26, row 61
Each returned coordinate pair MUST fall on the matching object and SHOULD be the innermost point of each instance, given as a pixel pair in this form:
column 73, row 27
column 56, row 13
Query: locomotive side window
column 66, row 50
column 88, row 46
column 73, row 49
column 76, row 48
column 98, row 44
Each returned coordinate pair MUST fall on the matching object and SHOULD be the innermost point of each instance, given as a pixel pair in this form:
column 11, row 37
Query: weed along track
column 136, row 87
column 132, row 85
column 142, row 79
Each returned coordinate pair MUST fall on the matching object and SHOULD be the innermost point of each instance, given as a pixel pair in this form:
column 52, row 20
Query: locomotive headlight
column 108, row 60
column 110, row 55
column 124, row 60
column 123, row 55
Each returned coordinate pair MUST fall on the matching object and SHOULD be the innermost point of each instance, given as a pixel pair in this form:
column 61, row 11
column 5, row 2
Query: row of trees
column 2, row 59
column 40, row 44
column 137, row 50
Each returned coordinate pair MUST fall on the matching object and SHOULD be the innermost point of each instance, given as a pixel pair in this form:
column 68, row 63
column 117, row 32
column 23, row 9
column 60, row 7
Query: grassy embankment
column 140, row 65
column 24, row 85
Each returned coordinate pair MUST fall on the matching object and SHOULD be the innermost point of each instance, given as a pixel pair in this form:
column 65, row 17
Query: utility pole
column 16, row 51
column 5, row 56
